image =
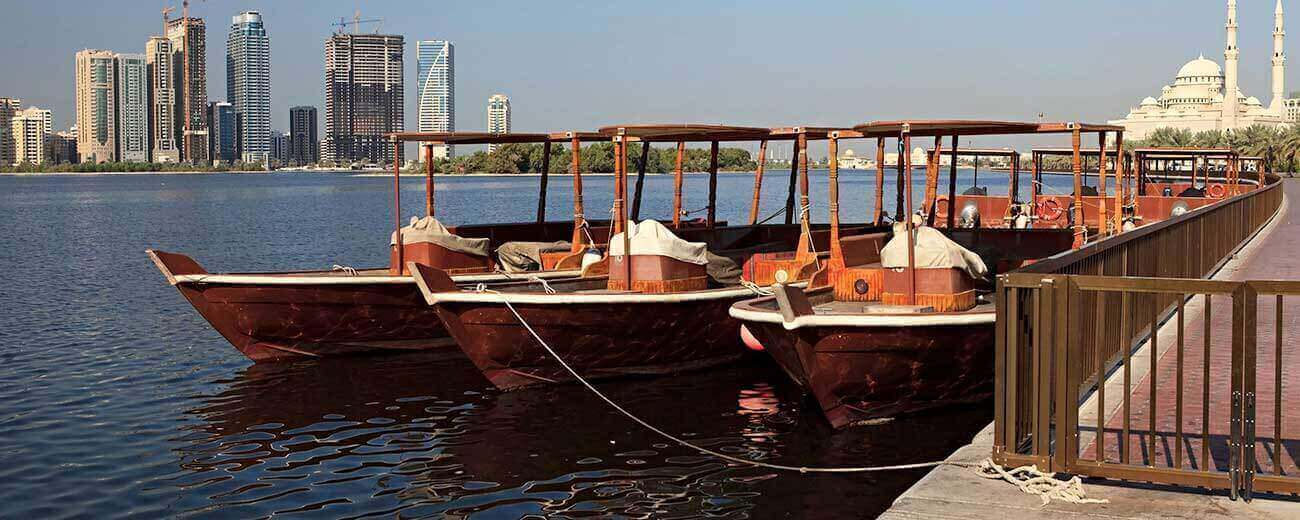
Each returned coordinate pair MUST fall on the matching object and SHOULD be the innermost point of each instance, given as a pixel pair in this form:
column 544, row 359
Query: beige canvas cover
column 428, row 229
column 518, row 257
column 652, row 238
column 933, row 249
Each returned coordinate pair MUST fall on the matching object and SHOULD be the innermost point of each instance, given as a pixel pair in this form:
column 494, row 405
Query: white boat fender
column 591, row 256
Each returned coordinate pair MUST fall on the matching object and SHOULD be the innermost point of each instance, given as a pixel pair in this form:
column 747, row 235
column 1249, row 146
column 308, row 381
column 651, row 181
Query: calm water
column 117, row 399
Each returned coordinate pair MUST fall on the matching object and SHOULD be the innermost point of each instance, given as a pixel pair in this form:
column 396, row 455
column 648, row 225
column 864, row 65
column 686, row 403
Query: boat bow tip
column 430, row 280
column 174, row 264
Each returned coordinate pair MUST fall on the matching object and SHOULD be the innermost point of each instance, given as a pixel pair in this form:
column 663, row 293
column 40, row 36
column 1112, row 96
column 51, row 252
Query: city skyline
column 844, row 87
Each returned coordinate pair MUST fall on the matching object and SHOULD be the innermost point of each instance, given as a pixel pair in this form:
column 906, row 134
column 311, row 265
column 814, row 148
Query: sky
column 586, row 64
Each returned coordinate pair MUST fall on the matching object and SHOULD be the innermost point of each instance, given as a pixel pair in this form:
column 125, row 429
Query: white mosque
column 1207, row 97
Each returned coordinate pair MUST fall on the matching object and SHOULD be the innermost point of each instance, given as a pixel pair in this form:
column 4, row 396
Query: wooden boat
column 305, row 314
column 880, row 337
column 639, row 313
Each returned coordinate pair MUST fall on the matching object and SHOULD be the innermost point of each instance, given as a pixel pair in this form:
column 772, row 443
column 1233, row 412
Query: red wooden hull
column 599, row 340
column 277, row 323
column 862, row 373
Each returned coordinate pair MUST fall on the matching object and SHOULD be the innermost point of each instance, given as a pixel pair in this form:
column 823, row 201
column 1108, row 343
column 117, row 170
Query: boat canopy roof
column 686, row 132
column 1174, row 152
column 978, row 152
column 1091, row 152
column 942, row 127
column 492, row 138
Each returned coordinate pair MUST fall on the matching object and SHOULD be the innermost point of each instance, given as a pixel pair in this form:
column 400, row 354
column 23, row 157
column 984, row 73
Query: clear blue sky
column 583, row 64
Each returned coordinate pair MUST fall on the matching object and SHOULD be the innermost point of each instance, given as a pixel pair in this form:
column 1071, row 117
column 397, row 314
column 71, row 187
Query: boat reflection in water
column 420, row 435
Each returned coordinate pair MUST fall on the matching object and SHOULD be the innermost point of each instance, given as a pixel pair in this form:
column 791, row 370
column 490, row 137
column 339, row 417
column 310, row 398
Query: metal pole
column 677, row 185
column 640, row 180
column 758, row 182
column 713, row 183
column 541, row 190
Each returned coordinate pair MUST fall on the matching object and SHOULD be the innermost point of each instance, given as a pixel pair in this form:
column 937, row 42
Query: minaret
column 1279, row 62
column 1230, row 70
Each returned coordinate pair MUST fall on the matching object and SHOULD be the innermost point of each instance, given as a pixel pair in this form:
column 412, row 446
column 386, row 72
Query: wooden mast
column 579, row 221
column 758, row 183
column 677, row 185
column 932, row 181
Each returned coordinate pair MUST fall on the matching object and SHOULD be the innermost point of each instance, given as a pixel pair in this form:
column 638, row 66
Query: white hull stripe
column 865, row 320
column 338, row 279
column 565, row 298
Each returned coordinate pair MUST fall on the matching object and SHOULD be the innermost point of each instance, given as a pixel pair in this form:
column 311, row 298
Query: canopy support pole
column 794, row 173
column 397, row 207
column 620, row 169
column 677, row 185
column 541, row 189
column 837, row 254
column 640, row 180
column 713, row 184
column 758, row 182
column 879, row 217
column 1117, row 219
column 579, row 220
column 905, row 164
column 1077, row 167
column 932, row 181
column 805, row 233
column 428, row 180
column 899, row 189
column 952, row 185
column 1102, row 221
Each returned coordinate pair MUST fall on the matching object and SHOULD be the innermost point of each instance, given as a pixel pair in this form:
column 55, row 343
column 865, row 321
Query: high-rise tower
column 132, row 108
column 436, row 89
column 190, row 63
column 1279, row 63
column 363, row 97
column 248, row 83
column 1230, row 55
column 162, row 101
column 498, row 116
column 96, row 106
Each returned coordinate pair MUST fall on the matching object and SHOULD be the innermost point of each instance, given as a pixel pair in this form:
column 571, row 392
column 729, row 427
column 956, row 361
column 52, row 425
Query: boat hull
column 279, row 323
column 858, row 374
column 599, row 340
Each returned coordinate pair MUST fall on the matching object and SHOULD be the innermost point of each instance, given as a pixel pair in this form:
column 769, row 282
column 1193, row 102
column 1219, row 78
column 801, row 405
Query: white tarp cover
column 428, row 229
column 652, row 238
column 933, row 249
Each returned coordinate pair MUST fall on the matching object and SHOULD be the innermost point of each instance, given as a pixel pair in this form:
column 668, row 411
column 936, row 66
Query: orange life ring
column 1216, row 191
column 942, row 206
column 1050, row 209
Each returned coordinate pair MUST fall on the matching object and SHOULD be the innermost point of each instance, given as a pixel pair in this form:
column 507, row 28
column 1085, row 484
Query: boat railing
column 1070, row 326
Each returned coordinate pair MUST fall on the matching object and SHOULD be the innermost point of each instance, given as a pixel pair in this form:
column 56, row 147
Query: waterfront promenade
column 956, row 492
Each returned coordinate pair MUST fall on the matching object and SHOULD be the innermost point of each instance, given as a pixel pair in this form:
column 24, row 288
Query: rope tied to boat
column 755, row 288
column 1028, row 479
column 350, row 271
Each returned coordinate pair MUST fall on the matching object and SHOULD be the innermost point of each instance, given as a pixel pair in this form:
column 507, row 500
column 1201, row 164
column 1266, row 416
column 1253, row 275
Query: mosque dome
column 1253, row 101
column 1200, row 67
column 1149, row 101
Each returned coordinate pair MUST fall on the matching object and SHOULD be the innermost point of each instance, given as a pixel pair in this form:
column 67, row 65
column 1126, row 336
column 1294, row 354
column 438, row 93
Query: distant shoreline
column 349, row 173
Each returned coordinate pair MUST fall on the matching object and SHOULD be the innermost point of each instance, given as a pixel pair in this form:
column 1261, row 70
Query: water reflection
column 425, row 435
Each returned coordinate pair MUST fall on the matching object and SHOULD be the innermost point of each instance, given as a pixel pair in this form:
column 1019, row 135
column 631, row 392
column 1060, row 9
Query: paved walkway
column 953, row 492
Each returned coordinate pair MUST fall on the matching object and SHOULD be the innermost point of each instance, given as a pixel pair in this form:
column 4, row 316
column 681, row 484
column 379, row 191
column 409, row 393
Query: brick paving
column 1277, row 257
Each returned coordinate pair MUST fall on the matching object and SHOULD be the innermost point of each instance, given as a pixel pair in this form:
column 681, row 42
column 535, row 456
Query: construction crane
column 356, row 22
column 167, row 11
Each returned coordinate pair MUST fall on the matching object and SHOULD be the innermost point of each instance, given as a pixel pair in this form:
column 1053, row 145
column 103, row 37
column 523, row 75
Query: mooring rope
column 1028, row 478
column 346, row 269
